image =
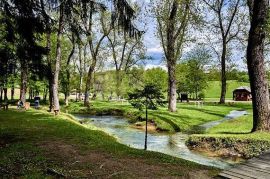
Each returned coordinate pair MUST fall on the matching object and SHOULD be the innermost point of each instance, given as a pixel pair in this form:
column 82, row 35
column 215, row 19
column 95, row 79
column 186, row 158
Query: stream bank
column 171, row 144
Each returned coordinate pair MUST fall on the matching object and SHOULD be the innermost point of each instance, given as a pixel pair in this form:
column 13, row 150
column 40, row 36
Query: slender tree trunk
column 1, row 94
column 256, row 65
column 66, row 99
column 118, row 83
column 58, row 62
column 146, row 128
column 5, row 95
column 45, row 93
column 67, row 93
column 223, row 74
column 24, row 80
column 51, row 106
column 12, row 92
column 80, row 72
column 88, row 85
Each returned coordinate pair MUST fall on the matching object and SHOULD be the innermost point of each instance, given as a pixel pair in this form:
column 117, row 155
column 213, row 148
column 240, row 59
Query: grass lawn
column 214, row 88
column 35, row 144
column 186, row 119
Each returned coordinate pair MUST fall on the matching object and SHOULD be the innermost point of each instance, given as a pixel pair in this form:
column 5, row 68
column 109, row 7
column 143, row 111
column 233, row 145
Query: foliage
column 156, row 76
column 149, row 97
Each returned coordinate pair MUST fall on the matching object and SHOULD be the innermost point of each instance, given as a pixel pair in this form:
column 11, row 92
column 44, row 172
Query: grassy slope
column 239, row 128
column 187, row 117
column 214, row 87
column 33, row 141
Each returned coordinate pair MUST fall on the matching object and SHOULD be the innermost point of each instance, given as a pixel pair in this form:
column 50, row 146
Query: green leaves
column 150, row 97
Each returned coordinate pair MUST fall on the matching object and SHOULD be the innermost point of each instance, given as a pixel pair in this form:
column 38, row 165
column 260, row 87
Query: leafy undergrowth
column 187, row 118
column 35, row 144
column 232, row 138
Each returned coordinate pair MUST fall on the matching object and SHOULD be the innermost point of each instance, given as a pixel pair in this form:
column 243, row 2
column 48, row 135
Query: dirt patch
column 151, row 126
column 94, row 164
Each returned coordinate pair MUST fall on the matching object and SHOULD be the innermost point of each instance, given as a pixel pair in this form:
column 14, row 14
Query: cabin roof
column 241, row 88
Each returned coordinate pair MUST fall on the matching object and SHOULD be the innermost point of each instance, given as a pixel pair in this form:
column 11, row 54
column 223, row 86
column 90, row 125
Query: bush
column 201, row 95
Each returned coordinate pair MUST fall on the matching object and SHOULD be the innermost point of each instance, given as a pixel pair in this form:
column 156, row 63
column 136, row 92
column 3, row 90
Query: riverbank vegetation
column 232, row 138
column 187, row 118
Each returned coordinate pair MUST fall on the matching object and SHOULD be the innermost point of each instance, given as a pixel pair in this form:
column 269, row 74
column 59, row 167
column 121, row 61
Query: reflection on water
column 171, row 144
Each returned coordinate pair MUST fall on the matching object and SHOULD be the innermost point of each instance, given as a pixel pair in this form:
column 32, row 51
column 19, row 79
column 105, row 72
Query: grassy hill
column 214, row 88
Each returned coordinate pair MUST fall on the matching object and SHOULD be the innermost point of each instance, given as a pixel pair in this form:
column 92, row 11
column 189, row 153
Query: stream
column 171, row 144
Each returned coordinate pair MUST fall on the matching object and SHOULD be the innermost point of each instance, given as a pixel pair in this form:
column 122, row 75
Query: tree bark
column 24, row 80
column 171, row 59
column 172, row 95
column 1, row 94
column 58, row 62
column 81, row 73
column 89, row 82
column 45, row 93
column 5, row 95
column 256, row 68
column 223, row 73
column 118, row 83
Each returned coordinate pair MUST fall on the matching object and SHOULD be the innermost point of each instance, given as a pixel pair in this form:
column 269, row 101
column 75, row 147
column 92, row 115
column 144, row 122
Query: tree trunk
column 45, row 93
column 80, row 72
column 51, row 93
column 223, row 74
column 172, row 95
column 118, row 83
column 256, row 65
column 58, row 62
column 88, row 86
column 171, row 59
column 146, row 130
column 12, row 92
column 1, row 94
column 66, row 99
column 24, row 80
column 5, row 95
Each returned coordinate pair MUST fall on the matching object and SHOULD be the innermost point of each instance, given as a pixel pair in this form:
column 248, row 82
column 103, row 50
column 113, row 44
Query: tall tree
column 256, row 68
column 173, row 18
column 126, row 53
column 28, row 24
column 228, row 23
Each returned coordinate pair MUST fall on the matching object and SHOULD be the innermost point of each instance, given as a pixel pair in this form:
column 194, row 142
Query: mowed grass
column 33, row 141
column 187, row 118
column 214, row 88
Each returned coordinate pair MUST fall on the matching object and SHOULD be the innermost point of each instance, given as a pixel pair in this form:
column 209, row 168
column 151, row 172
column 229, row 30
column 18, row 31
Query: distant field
column 214, row 88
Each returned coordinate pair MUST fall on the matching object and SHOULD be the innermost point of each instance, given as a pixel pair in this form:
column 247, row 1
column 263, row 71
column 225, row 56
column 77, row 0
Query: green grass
column 238, row 128
column 214, row 88
column 233, row 135
column 21, row 134
column 186, row 119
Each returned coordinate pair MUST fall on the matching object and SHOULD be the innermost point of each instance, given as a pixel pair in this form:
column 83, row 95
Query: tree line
column 50, row 40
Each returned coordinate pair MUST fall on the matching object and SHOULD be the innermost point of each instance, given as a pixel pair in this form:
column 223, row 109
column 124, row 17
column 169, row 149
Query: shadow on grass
column 204, row 111
column 170, row 122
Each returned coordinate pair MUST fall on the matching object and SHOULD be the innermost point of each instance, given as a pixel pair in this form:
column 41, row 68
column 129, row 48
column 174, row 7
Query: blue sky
column 154, row 49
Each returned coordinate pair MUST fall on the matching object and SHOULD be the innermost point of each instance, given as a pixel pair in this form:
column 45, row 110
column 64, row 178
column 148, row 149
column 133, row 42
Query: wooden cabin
column 242, row 93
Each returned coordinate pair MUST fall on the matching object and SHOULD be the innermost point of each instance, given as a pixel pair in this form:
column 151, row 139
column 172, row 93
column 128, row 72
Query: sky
column 155, row 50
